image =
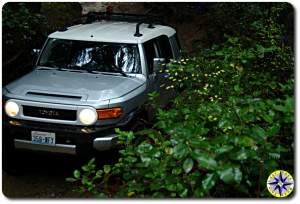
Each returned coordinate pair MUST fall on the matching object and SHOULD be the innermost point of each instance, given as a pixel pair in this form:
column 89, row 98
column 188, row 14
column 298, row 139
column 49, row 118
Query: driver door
column 158, row 81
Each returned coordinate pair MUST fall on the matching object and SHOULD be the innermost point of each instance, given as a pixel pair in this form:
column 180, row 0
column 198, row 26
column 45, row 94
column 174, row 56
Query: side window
column 165, row 48
column 159, row 47
column 151, row 52
column 176, row 46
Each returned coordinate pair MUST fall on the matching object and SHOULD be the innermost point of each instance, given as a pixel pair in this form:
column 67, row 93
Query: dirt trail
column 40, row 176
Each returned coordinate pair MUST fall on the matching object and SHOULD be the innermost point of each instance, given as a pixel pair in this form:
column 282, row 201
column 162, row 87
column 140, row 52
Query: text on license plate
column 46, row 138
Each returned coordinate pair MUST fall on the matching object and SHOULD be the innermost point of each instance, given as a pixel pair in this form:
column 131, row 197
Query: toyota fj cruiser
column 88, row 79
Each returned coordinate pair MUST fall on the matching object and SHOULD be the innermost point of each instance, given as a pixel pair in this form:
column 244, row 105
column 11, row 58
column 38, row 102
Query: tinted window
column 92, row 56
column 158, row 47
column 176, row 46
column 150, row 54
column 165, row 48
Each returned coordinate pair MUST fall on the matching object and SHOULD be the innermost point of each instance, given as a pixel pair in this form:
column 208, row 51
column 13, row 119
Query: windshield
column 91, row 56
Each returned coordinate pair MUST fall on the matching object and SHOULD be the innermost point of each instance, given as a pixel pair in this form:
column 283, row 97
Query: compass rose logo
column 280, row 183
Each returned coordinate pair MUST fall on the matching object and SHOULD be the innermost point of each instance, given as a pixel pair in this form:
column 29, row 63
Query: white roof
column 111, row 31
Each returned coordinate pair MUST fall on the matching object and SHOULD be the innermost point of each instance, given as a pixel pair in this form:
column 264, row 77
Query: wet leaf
column 209, row 181
column 188, row 165
column 76, row 173
column 106, row 169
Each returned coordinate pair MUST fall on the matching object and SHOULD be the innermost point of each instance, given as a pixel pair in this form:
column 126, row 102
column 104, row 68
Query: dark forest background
column 199, row 25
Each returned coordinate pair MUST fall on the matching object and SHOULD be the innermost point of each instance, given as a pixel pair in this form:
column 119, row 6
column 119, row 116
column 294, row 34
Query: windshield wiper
column 45, row 68
column 50, row 68
column 71, row 69
column 93, row 72
column 120, row 71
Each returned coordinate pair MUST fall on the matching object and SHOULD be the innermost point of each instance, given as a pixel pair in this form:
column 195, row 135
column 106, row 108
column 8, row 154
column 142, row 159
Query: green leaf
column 183, row 194
column 198, row 193
column 230, row 175
column 267, row 118
column 176, row 171
column 180, row 151
column 71, row 180
column 209, row 181
column 85, row 168
column 245, row 141
column 273, row 130
column 224, row 149
column 226, row 175
column 85, row 180
column 274, row 155
column 240, row 155
column 237, row 88
column 188, row 165
column 77, row 174
column 198, row 143
column 170, row 187
column 219, row 53
column 279, row 108
column 237, row 174
column 258, row 131
column 205, row 161
column 106, row 169
column 99, row 173
column 92, row 161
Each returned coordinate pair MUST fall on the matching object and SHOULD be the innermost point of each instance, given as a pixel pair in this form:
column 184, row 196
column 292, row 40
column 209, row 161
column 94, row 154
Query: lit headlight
column 88, row 116
column 12, row 108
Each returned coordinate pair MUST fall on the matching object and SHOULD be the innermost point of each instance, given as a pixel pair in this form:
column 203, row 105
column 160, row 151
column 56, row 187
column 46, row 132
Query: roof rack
column 135, row 18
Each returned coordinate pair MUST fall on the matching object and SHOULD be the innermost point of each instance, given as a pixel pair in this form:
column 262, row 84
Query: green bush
column 230, row 127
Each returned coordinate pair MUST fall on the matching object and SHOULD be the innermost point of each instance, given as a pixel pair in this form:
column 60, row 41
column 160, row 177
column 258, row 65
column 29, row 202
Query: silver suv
column 88, row 79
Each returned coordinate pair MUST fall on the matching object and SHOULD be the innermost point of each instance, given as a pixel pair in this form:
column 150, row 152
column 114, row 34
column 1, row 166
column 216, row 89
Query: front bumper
column 74, row 140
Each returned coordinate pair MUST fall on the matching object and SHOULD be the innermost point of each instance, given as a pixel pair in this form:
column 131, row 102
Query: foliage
column 243, row 16
column 60, row 14
column 25, row 27
column 20, row 24
column 224, row 134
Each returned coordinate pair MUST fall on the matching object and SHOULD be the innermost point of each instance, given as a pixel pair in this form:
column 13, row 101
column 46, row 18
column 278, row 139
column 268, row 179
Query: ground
column 40, row 176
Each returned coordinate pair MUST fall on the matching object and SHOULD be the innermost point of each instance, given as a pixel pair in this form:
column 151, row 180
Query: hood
column 73, row 85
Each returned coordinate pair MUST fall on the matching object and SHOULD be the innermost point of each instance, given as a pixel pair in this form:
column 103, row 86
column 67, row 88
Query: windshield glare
column 91, row 56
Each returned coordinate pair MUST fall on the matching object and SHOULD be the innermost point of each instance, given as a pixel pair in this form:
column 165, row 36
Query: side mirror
column 35, row 54
column 158, row 64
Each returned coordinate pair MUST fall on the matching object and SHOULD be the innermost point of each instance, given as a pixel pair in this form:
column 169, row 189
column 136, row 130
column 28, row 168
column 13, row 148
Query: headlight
column 88, row 116
column 12, row 108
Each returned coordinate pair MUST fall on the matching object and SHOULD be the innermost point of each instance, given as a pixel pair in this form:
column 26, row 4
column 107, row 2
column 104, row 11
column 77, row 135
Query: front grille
column 50, row 113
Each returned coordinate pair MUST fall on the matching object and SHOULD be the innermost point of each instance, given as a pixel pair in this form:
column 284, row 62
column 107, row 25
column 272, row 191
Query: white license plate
column 45, row 138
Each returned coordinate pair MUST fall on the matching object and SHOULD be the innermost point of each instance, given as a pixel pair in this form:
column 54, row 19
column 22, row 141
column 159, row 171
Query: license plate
column 45, row 138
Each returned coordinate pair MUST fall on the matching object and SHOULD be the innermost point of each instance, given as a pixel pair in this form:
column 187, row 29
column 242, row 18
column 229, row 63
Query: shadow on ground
column 42, row 176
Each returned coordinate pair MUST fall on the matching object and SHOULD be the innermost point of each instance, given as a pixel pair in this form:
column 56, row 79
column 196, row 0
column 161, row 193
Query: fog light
column 87, row 130
column 15, row 123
